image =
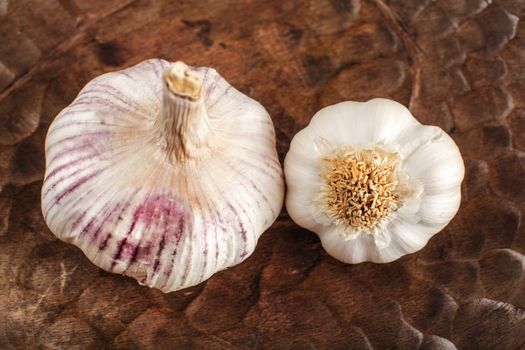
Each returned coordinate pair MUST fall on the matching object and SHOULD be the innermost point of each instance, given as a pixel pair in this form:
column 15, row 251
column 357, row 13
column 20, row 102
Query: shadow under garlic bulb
column 371, row 181
column 162, row 172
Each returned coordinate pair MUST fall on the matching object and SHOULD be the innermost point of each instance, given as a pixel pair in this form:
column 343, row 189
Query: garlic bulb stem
column 183, row 128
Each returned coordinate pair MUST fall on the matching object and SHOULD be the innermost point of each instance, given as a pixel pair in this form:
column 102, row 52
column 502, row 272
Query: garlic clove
column 358, row 248
column 437, row 209
column 162, row 172
column 302, row 204
column 421, row 165
column 371, row 181
column 377, row 122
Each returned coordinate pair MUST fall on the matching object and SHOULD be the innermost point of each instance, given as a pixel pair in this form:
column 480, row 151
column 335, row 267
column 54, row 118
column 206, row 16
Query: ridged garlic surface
column 162, row 172
column 371, row 181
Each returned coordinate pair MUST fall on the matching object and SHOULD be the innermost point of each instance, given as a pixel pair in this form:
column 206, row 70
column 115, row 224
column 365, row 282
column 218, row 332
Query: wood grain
column 459, row 64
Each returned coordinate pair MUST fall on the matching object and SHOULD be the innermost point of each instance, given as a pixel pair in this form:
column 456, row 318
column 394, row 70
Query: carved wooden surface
column 459, row 64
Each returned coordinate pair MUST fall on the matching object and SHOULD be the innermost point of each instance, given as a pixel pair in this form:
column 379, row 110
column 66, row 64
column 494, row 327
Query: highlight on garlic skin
column 371, row 181
column 162, row 172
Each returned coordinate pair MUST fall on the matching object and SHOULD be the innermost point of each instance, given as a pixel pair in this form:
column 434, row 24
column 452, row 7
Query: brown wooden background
column 459, row 64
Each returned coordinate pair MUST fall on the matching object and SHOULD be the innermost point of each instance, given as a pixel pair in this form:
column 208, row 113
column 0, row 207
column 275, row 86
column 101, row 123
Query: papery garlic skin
column 428, row 179
column 165, row 187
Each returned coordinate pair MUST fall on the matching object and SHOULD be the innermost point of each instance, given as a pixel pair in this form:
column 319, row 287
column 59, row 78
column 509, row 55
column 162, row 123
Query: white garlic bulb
column 371, row 181
column 162, row 172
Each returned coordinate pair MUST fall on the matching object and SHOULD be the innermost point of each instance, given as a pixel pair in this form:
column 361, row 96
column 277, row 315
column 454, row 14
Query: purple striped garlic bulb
column 162, row 172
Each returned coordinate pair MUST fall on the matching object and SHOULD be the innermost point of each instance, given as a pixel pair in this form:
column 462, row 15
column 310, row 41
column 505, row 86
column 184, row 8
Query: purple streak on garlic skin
column 76, row 185
column 104, row 243
column 68, row 165
column 156, row 262
column 161, row 188
column 161, row 208
column 92, row 229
